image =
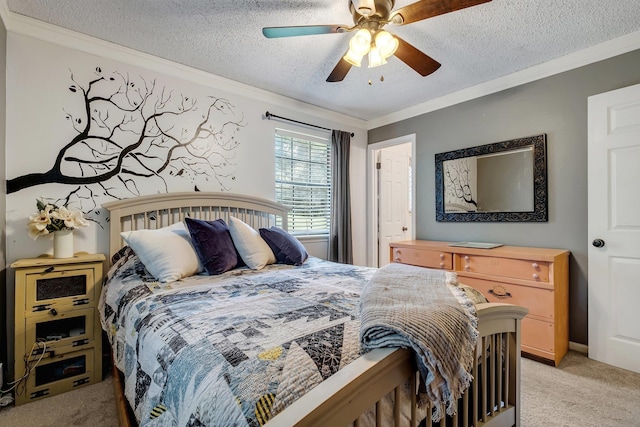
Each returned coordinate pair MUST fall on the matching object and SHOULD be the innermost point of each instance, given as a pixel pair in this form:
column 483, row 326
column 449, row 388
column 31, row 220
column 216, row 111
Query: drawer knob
column 441, row 256
column 466, row 257
column 53, row 312
column 535, row 276
column 500, row 292
column 442, row 265
column 467, row 267
column 535, row 265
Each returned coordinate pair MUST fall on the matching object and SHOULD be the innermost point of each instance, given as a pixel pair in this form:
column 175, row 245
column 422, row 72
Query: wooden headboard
column 160, row 210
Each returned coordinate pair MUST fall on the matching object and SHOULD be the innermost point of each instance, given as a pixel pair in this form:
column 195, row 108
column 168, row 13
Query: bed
column 377, row 387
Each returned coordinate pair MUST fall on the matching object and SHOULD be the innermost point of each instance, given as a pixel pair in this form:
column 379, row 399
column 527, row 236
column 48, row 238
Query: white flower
column 52, row 218
column 38, row 223
column 78, row 219
column 68, row 217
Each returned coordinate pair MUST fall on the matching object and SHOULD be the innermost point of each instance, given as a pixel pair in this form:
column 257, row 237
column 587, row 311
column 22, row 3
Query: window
column 303, row 180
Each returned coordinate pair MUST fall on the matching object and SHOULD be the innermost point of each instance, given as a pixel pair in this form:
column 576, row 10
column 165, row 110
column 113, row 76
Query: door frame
column 372, row 192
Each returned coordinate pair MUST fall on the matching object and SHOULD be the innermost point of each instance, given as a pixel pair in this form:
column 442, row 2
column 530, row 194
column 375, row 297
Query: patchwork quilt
column 233, row 349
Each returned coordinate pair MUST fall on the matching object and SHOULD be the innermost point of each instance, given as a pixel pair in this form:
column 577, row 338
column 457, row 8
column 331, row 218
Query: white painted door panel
column 614, row 217
column 394, row 219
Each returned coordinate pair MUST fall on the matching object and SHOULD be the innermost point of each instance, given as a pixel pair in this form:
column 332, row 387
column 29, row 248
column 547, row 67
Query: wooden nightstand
column 57, row 323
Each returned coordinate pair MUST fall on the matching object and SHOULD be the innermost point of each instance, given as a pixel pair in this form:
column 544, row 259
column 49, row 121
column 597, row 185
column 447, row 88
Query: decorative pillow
column 287, row 249
column 252, row 249
column 213, row 244
column 167, row 252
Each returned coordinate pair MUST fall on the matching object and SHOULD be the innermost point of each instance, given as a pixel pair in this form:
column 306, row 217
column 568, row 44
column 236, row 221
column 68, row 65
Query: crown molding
column 23, row 25
column 568, row 62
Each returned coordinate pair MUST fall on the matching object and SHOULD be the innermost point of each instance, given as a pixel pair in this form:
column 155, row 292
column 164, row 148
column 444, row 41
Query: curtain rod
column 268, row 115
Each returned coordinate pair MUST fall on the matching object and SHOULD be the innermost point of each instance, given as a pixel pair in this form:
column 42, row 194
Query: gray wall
column 557, row 106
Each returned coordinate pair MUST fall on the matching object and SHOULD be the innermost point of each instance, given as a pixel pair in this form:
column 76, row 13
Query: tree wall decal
column 132, row 130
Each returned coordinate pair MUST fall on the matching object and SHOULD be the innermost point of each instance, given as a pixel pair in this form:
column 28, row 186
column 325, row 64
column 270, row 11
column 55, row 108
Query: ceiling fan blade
column 428, row 8
column 302, row 30
column 339, row 72
column 414, row 58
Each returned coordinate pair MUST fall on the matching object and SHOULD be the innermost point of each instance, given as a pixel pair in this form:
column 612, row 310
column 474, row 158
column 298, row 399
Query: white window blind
column 303, row 180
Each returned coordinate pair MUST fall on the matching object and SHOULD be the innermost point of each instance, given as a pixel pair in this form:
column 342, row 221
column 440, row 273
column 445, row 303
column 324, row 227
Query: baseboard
column 580, row 348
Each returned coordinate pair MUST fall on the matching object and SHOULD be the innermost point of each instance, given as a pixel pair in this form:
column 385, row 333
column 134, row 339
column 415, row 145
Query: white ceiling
column 224, row 37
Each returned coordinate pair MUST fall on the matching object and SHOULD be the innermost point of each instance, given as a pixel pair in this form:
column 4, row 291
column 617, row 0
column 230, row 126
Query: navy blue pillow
column 213, row 244
column 286, row 248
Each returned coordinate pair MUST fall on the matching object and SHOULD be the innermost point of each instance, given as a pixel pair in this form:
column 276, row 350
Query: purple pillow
column 286, row 248
column 213, row 244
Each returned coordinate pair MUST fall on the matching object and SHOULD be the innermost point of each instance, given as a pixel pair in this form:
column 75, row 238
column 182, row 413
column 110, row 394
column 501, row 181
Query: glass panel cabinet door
column 61, row 373
column 51, row 288
column 60, row 331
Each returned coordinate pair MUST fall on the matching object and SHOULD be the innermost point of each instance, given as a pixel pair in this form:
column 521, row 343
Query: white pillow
column 167, row 252
column 253, row 250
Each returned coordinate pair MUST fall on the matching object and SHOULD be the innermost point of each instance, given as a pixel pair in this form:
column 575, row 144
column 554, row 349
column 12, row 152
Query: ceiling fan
column 370, row 17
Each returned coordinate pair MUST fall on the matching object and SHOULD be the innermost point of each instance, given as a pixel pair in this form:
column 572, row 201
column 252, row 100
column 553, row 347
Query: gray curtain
column 340, row 249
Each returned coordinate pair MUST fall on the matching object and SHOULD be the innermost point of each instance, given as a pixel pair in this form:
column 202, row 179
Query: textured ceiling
column 224, row 37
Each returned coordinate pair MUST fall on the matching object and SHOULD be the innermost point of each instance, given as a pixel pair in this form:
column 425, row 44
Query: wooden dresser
column 535, row 278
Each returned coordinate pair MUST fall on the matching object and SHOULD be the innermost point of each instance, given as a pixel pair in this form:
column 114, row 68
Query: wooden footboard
column 492, row 400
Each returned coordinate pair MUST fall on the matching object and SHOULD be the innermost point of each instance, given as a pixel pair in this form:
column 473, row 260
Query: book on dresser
column 58, row 337
column 536, row 278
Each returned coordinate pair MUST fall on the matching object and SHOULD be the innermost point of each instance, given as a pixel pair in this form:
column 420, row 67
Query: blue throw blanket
column 423, row 309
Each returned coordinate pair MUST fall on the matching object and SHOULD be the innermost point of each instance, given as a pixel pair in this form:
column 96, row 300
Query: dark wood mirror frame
column 540, row 204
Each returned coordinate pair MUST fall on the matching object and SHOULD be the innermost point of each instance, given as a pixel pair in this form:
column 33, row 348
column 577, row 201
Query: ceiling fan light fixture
column 375, row 57
column 386, row 43
column 359, row 46
column 353, row 58
column 360, row 43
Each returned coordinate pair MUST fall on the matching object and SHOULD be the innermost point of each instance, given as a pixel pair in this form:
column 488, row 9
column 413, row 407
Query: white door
column 394, row 211
column 614, row 227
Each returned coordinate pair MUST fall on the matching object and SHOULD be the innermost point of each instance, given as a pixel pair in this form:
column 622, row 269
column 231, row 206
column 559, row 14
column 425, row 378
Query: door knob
column 404, row 228
column 598, row 243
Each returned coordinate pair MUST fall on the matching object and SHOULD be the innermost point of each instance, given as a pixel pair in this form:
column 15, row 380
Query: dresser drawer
column 539, row 335
column 506, row 267
column 540, row 302
column 423, row 258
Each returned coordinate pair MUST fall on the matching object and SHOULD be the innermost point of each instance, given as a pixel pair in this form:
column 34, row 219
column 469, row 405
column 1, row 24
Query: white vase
column 63, row 244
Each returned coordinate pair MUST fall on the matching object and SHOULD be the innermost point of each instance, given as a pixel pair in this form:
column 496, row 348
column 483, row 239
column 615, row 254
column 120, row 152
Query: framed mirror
column 503, row 181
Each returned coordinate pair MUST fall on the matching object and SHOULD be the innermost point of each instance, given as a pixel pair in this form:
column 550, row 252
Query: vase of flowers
column 59, row 221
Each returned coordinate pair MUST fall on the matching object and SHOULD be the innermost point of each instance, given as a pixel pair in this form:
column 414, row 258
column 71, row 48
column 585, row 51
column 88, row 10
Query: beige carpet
column 579, row 393
column 93, row 405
